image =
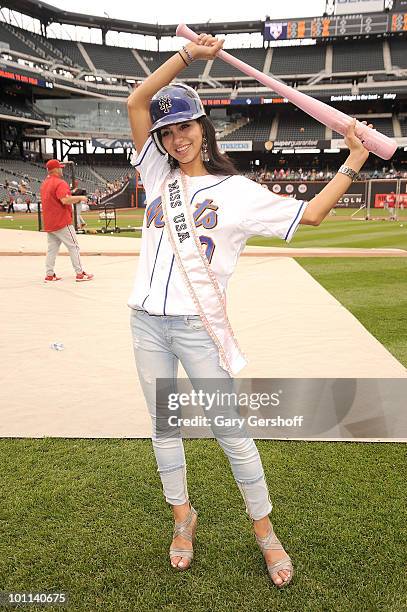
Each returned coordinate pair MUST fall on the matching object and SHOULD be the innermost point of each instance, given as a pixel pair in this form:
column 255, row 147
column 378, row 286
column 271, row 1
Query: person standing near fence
column 57, row 201
column 28, row 203
column 10, row 201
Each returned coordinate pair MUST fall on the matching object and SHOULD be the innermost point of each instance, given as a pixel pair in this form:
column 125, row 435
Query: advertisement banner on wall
column 23, row 77
column 355, row 197
column 235, row 145
column 301, row 144
column 390, row 200
column 352, row 7
column 112, row 143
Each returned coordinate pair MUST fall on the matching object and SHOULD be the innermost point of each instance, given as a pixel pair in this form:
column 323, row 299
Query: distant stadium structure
column 67, row 99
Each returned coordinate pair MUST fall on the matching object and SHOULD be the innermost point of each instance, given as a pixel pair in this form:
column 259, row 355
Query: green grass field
column 125, row 217
column 336, row 231
column 342, row 231
column 89, row 517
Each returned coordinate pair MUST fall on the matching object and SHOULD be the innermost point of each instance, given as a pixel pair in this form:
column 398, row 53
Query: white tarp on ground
column 287, row 324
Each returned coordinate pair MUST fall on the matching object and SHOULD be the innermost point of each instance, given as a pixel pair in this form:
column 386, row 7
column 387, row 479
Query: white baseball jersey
column 227, row 210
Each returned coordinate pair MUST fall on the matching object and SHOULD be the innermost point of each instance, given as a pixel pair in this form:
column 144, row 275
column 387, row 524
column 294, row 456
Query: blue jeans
column 160, row 343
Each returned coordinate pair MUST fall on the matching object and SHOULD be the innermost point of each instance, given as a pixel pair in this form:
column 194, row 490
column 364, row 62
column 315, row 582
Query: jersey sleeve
column 62, row 190
column 152, row 166
column 269, row 214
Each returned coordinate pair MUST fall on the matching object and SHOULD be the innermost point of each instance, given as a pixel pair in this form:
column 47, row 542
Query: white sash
column 196, row 272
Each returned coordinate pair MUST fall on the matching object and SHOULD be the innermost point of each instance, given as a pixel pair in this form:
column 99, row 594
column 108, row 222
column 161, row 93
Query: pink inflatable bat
column 374, row 141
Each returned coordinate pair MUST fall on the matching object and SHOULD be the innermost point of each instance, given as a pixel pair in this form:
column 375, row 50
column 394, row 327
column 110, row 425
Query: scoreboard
column 336, row 26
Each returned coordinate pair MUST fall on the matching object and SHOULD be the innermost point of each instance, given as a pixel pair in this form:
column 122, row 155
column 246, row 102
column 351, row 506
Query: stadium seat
column 255, row 57
column 298, row 60
column 299, row 126
column 114, row 60
column 154, row 59
column 70, row 49
column 258, row 129
column 357, row 56
column 398, row 53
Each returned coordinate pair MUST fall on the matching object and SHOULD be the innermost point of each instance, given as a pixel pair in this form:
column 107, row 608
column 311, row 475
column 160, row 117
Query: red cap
column 53, row 163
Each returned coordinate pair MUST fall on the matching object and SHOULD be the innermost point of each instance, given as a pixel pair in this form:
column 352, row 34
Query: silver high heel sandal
column 271, row 542
column 180, row 528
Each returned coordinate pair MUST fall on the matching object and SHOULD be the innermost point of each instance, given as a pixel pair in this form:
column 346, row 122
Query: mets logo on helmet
column 165, row 104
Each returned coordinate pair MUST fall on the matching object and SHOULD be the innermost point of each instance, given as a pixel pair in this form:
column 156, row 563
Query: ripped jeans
column 160, row 342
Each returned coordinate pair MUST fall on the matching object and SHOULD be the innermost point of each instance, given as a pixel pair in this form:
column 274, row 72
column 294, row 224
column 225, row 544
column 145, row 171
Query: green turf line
column 338, row 231
column 89, row 516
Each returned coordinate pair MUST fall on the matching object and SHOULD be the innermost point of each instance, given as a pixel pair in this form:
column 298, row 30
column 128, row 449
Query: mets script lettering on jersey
column 205, row 215
column 202, row 218
column 209, row 220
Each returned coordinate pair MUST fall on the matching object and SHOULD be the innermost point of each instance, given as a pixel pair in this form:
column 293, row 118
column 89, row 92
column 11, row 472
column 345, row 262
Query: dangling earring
column 204, row 150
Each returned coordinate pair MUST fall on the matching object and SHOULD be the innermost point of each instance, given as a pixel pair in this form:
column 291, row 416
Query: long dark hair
column 218, row 163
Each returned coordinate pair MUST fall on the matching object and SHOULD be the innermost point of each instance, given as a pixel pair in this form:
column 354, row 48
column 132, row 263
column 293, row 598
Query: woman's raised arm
column 138, row 103
column 318, row 208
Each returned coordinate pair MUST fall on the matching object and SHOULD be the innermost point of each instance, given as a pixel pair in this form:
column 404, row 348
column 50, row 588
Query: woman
column 177, row 150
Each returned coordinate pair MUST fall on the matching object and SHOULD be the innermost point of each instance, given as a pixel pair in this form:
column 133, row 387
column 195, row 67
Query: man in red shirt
column 389, row 204
column 56, row 201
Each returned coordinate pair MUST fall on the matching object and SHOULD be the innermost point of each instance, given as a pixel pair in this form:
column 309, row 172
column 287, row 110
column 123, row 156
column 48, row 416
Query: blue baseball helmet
column 172, row 104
